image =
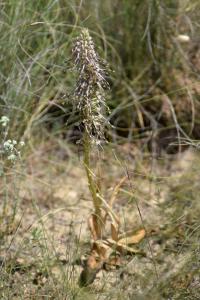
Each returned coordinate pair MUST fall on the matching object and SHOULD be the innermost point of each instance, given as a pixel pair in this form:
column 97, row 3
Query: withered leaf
column 113, row 262
column 114, row 231
column 123, row 249
column 116, row 190
column 101, row 248
column 132, row 238
column 92, row 267
column 94, row 227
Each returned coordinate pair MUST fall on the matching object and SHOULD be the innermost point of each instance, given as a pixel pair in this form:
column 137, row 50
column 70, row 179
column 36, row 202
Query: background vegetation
column 152, row 48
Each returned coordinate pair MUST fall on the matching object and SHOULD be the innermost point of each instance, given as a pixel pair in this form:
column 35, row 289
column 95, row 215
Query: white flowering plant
column 10, row 149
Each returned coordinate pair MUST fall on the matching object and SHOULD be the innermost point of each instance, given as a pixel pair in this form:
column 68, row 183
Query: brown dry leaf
column 123, row 248
column 109, row 211
column 114, row 231
column 92, row 267
column 94, row 227
column 116, row 190
column 93, row 261
column 113, row 261
column 132, row 238
column 101, row 248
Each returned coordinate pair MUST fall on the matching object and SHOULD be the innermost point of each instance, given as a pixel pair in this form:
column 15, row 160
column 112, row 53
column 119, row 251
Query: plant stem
column 91, row 183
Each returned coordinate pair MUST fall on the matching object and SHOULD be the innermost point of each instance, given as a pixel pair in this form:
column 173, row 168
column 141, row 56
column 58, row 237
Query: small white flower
column 8, row 146
column 4, row 121
column 12, row 157
column 14, row 142
column 22, row 143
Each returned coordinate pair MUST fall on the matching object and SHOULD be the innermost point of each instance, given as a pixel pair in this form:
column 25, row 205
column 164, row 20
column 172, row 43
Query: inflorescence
column 90, row 86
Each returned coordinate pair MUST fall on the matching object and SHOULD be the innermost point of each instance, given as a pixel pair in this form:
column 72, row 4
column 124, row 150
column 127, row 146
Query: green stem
column 91, row 183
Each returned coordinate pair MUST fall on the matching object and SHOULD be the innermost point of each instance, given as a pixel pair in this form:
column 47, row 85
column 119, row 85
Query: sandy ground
column 54, row 204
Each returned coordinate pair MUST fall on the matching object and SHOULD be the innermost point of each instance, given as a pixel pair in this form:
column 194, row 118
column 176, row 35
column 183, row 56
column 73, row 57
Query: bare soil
column 53, row 205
